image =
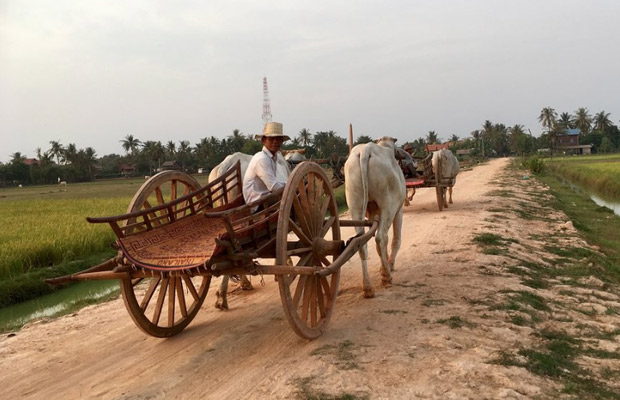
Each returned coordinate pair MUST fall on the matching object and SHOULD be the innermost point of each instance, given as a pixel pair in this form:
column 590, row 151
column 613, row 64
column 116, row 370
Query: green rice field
column 44, row 230
column 599, row 173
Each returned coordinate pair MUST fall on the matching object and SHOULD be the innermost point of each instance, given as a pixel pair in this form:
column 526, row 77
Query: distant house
column 464, row 152
column 568, row 142
column 127, row 170
column 437, row 146
column 170, row 166
column 31, row 161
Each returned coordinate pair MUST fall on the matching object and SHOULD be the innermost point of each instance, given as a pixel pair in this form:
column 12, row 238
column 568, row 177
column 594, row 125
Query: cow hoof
column 369, row 293
column 387, row 282
column 221, row 304
column 246, row 284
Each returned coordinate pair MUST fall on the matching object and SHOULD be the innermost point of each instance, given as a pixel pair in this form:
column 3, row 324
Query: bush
column 535, row 165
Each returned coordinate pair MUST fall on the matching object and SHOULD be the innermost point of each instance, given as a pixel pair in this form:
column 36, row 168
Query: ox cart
column 428, row 178
column 176, row 236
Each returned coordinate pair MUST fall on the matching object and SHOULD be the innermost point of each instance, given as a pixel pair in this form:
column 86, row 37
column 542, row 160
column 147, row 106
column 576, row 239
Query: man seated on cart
column 260, row 178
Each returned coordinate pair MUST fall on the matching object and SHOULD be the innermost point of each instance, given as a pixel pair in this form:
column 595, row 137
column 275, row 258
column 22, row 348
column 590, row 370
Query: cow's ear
column 394, row 139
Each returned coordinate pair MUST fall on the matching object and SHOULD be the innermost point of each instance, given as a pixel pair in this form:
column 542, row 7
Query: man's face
column 273, row 143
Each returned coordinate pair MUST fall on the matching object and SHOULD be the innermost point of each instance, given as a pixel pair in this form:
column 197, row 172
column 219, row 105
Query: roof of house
column 437, row 146
column 572, row 132
column 170, row 163
column 31, row 161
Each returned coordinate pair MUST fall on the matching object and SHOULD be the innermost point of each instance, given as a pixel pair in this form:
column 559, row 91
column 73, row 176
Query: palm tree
column 565, row 121
column 583, row 120
column 130, row 144
column 454, row 139
column 305, row 137
column 432, row 138
column 171, row 149
column 56, row 150
column 236, row 141
column 17, row 158
column 70, row 153
column 602, row 121
column 547, row 118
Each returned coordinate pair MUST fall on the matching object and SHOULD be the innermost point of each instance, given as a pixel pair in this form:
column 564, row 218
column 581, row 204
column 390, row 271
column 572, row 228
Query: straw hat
column 273, row 129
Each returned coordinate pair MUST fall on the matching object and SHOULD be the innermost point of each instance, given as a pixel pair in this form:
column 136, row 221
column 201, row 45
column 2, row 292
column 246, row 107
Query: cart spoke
column 181, row 297
column 306, row 301
column 299, row 289
column 313, row 302
column 305, row 259
column 190, row 287
column 160, row 300
column 328, row 224
column 299, row 232
column 171, row 299
column 298, row 251
column 320, row 297
column 300, row 214
column 149, row 293
column 326, row 289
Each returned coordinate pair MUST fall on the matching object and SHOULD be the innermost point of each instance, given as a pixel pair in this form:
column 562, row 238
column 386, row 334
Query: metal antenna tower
column 266, row 105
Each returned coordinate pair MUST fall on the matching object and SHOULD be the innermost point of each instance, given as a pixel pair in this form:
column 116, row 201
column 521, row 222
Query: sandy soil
column 393, row 346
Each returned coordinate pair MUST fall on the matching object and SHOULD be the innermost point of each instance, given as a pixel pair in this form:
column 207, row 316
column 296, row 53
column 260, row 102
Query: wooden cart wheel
column 308, row 211
column 164, row 304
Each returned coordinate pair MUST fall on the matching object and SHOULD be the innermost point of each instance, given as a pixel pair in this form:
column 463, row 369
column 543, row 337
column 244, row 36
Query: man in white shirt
column 260, row 178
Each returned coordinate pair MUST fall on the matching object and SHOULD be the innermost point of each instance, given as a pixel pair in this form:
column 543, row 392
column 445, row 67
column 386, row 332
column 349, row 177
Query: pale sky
column 92, row 72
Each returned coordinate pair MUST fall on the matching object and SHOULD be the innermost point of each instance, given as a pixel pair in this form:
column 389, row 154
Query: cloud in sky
column 92, row 72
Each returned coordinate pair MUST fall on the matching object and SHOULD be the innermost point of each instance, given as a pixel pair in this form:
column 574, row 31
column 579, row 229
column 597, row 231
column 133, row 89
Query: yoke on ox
column 374, row 184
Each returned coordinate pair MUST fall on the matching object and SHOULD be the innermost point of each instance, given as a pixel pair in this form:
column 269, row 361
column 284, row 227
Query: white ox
column 282, row 172
column 295, row 156
column 374, row 183
column 445, row 159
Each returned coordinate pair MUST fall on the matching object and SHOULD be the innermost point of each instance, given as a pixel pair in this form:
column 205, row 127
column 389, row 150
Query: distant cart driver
column 260, row 178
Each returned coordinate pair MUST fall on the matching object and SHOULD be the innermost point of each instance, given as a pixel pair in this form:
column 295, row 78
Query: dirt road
column 431, row 335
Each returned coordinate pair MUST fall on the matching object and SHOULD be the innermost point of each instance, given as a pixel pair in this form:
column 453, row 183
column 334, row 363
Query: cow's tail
column 364, row 158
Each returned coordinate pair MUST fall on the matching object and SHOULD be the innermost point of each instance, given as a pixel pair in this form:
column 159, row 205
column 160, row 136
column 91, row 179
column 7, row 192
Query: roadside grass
column 564, row 349
column 305, row 391
column 456, row 322
column 345, row 359
column 493, row 244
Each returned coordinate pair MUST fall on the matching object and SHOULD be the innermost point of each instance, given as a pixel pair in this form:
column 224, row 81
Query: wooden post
column 350, row 138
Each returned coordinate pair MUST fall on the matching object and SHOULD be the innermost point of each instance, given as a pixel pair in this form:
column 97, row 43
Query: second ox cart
column 176, row 236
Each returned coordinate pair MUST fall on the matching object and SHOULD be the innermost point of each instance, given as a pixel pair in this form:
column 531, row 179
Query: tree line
column 70, row 164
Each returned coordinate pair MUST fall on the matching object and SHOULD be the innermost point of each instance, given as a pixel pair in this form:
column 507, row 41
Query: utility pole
column 266, row 105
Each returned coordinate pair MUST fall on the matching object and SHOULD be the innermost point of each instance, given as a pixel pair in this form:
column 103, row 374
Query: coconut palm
column 432, row 138
column 130, row 144
column 56, row 150
column 547, row 118
column 171, row 149
column 565, row 121
column 602, row 121
column 70, row 153
column 583, row 120
column 305, row 137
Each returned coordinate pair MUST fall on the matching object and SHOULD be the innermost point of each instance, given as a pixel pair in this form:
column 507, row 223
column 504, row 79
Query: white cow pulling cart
column 177, row 235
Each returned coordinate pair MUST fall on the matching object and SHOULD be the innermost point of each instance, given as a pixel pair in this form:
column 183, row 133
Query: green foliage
column 534, row 164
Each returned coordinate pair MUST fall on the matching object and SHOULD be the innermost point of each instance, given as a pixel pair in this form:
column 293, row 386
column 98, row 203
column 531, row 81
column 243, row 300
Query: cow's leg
column 367, row 286
column 245, row 283
column 381, row 240
column 222, row 295
column 445, row 197
column 450, row 191
column 396, row 237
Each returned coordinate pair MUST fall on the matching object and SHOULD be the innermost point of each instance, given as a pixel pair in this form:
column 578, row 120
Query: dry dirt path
column 394, row 346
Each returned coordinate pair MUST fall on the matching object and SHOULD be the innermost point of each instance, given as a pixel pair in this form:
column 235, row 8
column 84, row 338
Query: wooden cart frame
column 177, row 235
column 429, row 179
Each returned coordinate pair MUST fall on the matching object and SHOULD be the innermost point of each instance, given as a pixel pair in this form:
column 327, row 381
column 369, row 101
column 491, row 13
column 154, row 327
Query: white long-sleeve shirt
column 260, row 177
